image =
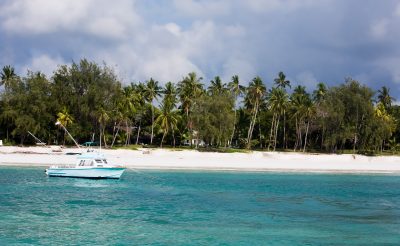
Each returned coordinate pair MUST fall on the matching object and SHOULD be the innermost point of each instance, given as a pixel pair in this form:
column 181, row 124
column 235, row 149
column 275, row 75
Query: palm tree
column 309, row 109
column 168, row 119
column 216, row 87
column 278, row 102
column 385, row 98
column 304, row 110
column 255, row 94
column 281, row 81
column 7, row 75
column 126, row 108
column 140, row 102
column 65, row 119
column 319, row 93
column 170, row 93
column 236, row 90
column 188, row 90
column 152, row 91
column 103, row 118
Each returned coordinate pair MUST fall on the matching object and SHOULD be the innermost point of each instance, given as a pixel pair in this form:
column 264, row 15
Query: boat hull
column 94, row 173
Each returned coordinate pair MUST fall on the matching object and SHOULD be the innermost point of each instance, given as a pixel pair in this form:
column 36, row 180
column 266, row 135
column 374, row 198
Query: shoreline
column 192, row 160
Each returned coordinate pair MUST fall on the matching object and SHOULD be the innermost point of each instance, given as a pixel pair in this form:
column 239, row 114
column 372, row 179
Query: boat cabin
column 92, row 160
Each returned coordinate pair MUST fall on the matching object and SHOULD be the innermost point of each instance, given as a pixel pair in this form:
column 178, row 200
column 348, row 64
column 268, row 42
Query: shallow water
column 199, row 208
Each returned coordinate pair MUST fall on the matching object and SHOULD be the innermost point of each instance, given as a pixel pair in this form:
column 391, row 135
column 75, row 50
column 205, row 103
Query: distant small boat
column 88, row 165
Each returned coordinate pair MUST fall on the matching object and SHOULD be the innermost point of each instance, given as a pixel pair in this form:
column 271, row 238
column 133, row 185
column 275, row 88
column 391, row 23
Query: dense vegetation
column 89, row 99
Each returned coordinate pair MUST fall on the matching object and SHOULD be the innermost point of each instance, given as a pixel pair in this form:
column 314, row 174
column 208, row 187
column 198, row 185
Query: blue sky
column 309, row 40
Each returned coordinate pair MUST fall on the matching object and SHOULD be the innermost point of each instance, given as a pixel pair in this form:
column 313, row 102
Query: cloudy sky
column 310, row 40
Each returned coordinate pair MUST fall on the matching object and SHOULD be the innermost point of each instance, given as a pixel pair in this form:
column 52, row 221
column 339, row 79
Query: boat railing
column 63, row 166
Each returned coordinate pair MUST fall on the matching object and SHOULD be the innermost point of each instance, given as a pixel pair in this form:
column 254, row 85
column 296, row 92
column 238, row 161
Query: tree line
column 89, row 100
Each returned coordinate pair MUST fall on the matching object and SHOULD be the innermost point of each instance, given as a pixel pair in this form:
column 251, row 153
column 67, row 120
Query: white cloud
column 203, row 9
column 173, row 28
column 307, row 79
column 38, row 16
column 241, row 67
column 397, row 10
column 168, row 39
column 392, row 66
column 44, row 64
column 379, row 28
column 263, row 6
column 166, row 67
column 82, row 16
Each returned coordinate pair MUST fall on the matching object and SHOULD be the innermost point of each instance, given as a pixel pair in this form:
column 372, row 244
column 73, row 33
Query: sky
column 311, row 41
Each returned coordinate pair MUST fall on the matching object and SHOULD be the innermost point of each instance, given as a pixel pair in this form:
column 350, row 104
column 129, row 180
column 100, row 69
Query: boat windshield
column 85, row 163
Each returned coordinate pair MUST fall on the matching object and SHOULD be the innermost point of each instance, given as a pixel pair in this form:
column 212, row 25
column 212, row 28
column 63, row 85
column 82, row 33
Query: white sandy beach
column 194, row 160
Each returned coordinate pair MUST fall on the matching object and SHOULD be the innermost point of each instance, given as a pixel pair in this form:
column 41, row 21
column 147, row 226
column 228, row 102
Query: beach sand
column 194, row 160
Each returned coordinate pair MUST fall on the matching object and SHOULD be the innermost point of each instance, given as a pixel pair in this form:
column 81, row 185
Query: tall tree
column 189, row 89
column 278, row 102
column 152, row 91
column 320, row 92
column 255, row 94
column 236, row 90
column 103, row 118
column 7, row 76
column 170, row 93
column 319, row 95
column 212, row 115
column 167, row 119
column 281, row 81
column 216, row 87
column 66, row 119
column 385, row 98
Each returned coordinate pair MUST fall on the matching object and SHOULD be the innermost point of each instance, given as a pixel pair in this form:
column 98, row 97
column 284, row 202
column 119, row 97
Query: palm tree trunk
column 249, row 132
column 301, row 135
column 355, row 142
column 127, row 133
column 152, row 124
column 100, row 137
column 115, row 136
column 322, row 136
column 173, row 136
column 284, row 130
column 252, row 123
column 138, row 132
column 104, row 137
column 305, row 139
column 233, row 131
column 162, row 140
column 271, row 131
column 297, row 135
column 259, row 130
column 276, row 132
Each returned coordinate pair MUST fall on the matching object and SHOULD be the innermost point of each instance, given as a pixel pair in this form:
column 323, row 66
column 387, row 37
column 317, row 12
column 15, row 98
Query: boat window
column 81, row 163
column 98, row 161
column 91, row 163
column 105, row 161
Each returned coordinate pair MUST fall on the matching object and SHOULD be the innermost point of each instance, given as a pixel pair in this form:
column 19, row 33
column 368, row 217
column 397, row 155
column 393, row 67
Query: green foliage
column 88, row 99
column 212, row 118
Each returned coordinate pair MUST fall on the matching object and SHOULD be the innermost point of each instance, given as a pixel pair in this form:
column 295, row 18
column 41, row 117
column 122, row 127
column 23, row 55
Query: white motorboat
column 88, row 165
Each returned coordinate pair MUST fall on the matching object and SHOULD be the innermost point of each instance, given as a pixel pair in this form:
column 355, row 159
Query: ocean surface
column 199, row 208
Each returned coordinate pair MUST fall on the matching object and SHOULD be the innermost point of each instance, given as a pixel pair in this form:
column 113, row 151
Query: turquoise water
column 199, row 208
